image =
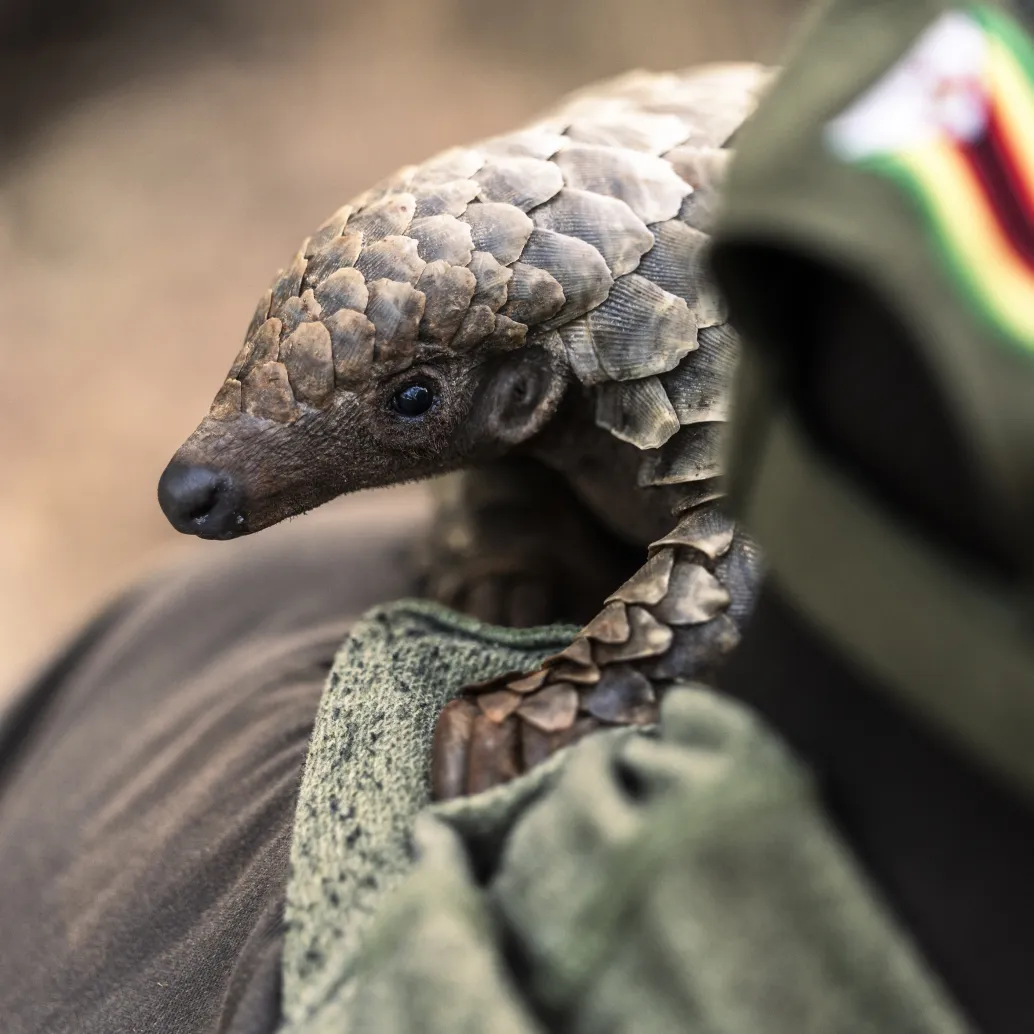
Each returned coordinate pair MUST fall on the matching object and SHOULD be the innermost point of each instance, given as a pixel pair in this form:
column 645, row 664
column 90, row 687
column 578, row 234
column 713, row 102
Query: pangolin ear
column 523, row 394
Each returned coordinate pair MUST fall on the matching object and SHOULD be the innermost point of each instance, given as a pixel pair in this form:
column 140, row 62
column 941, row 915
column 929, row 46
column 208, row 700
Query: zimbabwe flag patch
column 953, row 124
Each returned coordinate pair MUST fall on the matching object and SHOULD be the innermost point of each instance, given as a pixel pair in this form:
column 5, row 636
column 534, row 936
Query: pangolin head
column 388, row 351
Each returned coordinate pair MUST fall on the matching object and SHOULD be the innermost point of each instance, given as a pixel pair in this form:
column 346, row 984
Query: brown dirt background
column 156, row 170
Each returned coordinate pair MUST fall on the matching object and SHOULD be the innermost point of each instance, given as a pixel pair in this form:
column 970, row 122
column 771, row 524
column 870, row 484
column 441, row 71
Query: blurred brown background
column 160, row 160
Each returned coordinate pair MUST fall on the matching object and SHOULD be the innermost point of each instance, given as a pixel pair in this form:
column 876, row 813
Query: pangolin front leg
column 512, row 545
column 675, row 618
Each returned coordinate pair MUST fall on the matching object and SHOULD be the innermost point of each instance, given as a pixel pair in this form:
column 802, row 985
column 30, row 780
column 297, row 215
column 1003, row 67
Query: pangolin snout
column 201, row 501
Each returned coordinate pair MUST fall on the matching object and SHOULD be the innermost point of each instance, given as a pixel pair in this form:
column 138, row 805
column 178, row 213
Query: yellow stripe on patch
column 1013, row 99
column 970, row 231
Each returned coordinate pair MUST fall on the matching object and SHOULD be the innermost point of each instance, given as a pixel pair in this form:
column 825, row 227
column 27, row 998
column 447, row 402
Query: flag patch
column 953, row 124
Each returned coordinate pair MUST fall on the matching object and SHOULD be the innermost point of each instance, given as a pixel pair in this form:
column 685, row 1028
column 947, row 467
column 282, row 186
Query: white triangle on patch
column 937, row 90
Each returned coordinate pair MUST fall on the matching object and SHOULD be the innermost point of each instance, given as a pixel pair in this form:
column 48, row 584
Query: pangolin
column 542, row 294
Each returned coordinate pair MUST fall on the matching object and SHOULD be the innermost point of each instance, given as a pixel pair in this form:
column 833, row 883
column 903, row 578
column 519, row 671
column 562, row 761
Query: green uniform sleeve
column 896, row 150
column 897, row 147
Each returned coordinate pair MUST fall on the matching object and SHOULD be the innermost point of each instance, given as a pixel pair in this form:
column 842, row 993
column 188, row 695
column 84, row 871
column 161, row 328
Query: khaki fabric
column 366, row 777
column 680, row 879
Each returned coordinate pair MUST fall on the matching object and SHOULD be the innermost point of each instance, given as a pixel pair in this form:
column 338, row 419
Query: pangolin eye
column 412, row 401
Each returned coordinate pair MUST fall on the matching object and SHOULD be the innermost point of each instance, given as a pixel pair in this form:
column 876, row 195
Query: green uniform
column 688, row 878
column 912, row 219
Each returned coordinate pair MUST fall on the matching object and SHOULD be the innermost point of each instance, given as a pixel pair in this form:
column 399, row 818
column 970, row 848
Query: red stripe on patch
column 991, row 161
column 1022, row 184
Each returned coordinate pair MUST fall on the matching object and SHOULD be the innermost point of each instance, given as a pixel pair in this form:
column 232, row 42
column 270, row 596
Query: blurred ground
column 159, row 164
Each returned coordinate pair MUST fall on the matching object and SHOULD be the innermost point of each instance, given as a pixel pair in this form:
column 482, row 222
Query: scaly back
column 583, row 233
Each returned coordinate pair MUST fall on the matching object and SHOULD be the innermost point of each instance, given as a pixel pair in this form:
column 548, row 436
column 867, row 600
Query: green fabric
column 679, row 879
column 947, row 641
column 954, row 647
column 366, row 775
column 786, row 188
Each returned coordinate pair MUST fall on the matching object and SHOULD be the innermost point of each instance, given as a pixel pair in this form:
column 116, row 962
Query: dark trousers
column 148, row 783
